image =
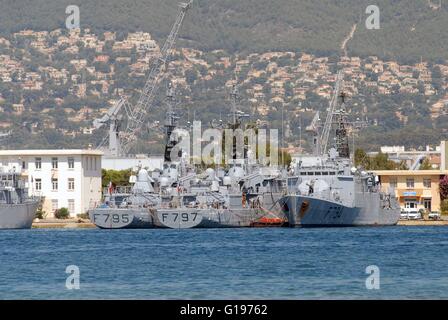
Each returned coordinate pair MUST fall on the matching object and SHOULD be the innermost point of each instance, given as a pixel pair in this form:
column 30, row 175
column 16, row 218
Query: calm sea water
column 225, row 264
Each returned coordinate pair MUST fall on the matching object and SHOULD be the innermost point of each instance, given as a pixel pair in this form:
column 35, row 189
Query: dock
column 86, row 224
column 422, row 223
column 63, row 224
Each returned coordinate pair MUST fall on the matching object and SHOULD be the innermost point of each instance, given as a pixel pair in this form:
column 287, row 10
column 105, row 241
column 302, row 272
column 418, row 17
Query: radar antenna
column 170, row 122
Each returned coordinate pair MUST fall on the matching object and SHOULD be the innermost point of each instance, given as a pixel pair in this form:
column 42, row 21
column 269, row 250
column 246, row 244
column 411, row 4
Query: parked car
column 410, row 215
column 434, row 215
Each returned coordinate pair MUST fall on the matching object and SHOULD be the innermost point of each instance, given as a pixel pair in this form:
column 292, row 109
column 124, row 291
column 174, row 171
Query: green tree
column 444, row 207
column 443, row 188
column 62, row 213
column 380, row 161
column 117, row 177
column 361, row 158
column 426, row 165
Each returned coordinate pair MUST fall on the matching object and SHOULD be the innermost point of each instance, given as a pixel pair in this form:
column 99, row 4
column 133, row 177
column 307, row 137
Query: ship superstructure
column 17, row 209
column 327, row 189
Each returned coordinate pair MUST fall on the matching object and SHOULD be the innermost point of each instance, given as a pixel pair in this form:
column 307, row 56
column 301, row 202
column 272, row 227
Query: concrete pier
column 60, row 224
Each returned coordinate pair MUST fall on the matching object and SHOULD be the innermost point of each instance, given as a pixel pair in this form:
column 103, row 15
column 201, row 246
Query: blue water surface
column 225, row 263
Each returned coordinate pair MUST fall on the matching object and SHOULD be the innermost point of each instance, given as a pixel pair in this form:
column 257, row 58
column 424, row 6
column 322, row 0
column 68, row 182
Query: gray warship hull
column 18, row 216
column 111, row 218
column 116, row 218
column 304, row 211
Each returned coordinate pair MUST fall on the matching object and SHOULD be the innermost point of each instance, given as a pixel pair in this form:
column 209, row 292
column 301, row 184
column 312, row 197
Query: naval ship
column 243, row 195
column 327, row 190
column 332, row 193
column 17, row 210
column 205, row 200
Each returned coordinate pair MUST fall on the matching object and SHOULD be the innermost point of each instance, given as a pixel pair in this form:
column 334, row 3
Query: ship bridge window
column 303, row 173
column 318, row 173
column 189, row 200
column 332, row 173
column 310, row 173
column 325, row 173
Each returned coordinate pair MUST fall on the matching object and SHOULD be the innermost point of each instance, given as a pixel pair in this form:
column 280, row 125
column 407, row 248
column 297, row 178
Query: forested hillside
column 409, row 29
column 284, row 54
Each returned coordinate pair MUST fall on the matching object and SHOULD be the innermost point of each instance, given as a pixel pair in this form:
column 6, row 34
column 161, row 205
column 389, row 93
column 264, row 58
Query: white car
column 434, row 215
column 411, row 215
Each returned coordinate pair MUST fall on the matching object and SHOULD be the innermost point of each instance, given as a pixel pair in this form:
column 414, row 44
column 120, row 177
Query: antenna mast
column 171, row 122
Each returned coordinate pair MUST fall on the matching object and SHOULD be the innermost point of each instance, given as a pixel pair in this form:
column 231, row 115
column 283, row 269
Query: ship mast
column 342, row 145
column 234, row 101
column 336, row 116
column 170, row 122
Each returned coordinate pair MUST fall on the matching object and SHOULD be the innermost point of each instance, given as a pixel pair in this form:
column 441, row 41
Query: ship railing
column 4, row 184
column 37, row 195
column 118, row 190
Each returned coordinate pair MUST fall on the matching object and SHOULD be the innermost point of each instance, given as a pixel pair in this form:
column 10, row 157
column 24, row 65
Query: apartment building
column 415, row 189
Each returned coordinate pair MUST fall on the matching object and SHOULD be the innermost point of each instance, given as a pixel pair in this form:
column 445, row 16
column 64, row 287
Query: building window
column 71, row 206
column 24, row 165
column 393, row 183
column 38, row 184
column 54, row 205
column 410, row 204
column 427, row 183
column 54, row 163
column 410, row 183
column 427, row 204
column 54, row 184
column 71, row 184
column 38, row 163
column 71, row 163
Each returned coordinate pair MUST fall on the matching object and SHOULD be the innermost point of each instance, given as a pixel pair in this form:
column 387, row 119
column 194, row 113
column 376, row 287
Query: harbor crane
column 321, row 139
column 114, row 119
column 137, row 114
column 337, row 115
column 121, row 141
column 331, row 112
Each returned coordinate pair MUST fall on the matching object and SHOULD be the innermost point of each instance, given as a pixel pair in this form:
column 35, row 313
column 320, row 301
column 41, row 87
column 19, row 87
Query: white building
column 64, row 178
